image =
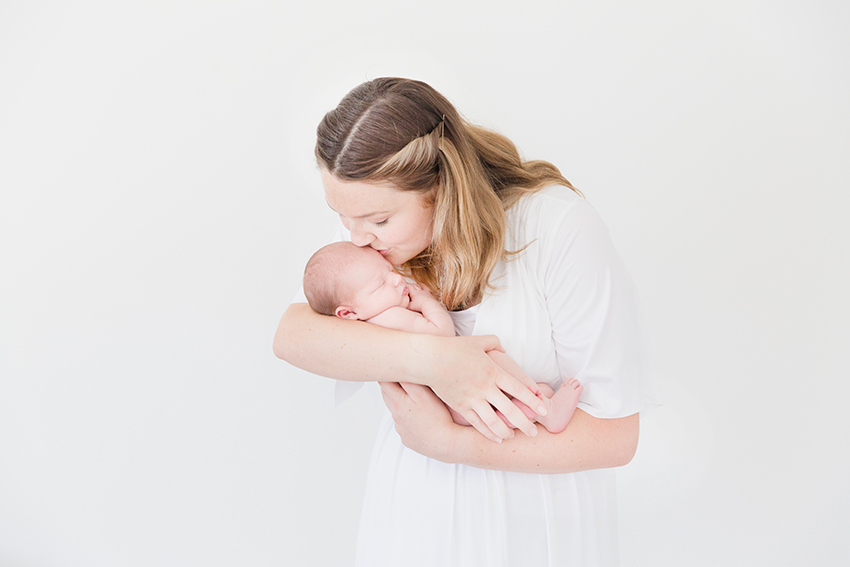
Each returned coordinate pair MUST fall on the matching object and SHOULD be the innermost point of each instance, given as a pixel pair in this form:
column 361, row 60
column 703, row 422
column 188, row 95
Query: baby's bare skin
column 379, row 295
column 563, row 405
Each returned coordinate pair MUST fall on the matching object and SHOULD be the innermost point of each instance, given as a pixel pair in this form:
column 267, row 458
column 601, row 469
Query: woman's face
column 396, row 223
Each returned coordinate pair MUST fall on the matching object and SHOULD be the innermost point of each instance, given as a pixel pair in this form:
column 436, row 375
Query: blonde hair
column 324, row 281
column 404, row 132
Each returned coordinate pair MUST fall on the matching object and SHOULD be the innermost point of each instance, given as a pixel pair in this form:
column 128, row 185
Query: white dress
column 564, row 307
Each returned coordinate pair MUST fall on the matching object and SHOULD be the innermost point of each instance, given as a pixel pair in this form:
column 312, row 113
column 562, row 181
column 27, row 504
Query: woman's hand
column 421, row 419
column 457, row 369
column 461, row 374
column 425, row 426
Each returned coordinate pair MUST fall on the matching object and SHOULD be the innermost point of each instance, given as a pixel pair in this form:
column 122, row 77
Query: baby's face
column 375, row 286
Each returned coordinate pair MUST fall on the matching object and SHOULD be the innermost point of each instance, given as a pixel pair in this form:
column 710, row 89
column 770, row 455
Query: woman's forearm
column 457, row 369
column 344, row 349
column 587, row 443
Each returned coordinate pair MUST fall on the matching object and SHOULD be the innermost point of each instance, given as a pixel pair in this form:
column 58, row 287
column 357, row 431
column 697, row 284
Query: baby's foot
column 564, row 404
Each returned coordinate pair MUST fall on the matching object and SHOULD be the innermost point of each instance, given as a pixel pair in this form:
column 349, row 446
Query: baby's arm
column 423, row 315
column 402, row 319
column 432, row 310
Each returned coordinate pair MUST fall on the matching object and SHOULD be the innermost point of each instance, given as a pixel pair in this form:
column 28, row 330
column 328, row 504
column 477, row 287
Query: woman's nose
column 361, row 237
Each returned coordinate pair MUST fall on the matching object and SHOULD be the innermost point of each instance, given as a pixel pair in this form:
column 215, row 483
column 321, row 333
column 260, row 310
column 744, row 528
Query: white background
column 159, row 200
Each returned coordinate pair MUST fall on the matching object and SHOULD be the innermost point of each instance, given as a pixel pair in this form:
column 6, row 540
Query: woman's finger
column 419, row 393
column 511, row 386
column 479, row 426
column 488, row 415
column 510, row 366
column 489, row 342
column 514, row 415
column 392, row 393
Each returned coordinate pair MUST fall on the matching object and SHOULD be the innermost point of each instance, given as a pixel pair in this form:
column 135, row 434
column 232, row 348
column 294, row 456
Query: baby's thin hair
column 323, row 284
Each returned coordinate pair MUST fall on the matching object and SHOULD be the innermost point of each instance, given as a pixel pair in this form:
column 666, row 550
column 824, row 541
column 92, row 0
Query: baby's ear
column 345, row 312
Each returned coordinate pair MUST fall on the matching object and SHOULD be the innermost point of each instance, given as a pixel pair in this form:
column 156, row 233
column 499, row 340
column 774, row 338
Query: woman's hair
column 404, row 132
column 325, row 283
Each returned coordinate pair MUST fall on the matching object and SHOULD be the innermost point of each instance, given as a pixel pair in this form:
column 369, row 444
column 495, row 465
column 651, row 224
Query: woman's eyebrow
column 361, row 216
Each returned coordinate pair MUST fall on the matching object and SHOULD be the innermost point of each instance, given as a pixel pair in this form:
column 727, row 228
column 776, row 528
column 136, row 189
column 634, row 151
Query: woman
column 526, row 265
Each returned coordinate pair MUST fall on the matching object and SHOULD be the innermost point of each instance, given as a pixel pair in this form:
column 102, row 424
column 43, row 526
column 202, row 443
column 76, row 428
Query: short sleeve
column 597, row 323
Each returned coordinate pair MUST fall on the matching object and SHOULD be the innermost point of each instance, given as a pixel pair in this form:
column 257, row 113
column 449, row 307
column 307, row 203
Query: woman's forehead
column 356, row 199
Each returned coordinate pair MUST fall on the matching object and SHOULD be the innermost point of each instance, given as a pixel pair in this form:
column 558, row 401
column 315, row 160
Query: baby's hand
column 418, row 296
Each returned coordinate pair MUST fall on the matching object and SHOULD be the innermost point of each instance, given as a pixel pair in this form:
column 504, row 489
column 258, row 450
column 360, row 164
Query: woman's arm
column 457, row 369
column 587, row 443
column 342, row 348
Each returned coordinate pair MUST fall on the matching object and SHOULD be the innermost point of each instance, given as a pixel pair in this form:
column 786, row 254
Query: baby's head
column 353, row 283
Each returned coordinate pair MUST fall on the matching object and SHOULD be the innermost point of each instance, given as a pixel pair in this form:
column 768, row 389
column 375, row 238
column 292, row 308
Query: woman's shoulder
column 551, row 207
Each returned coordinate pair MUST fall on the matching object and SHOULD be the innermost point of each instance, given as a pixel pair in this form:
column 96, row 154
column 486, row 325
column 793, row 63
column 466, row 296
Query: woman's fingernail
column 533, row 431
column 541, row 410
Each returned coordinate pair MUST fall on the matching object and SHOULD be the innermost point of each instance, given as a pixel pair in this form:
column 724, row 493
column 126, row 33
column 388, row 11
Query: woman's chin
column 394, row 257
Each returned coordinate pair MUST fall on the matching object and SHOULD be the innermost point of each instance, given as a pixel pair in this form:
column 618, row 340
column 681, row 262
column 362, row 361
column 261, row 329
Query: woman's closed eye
column 381, row 223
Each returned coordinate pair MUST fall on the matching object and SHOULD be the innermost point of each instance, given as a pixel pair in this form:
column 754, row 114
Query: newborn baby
column 351, row 282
